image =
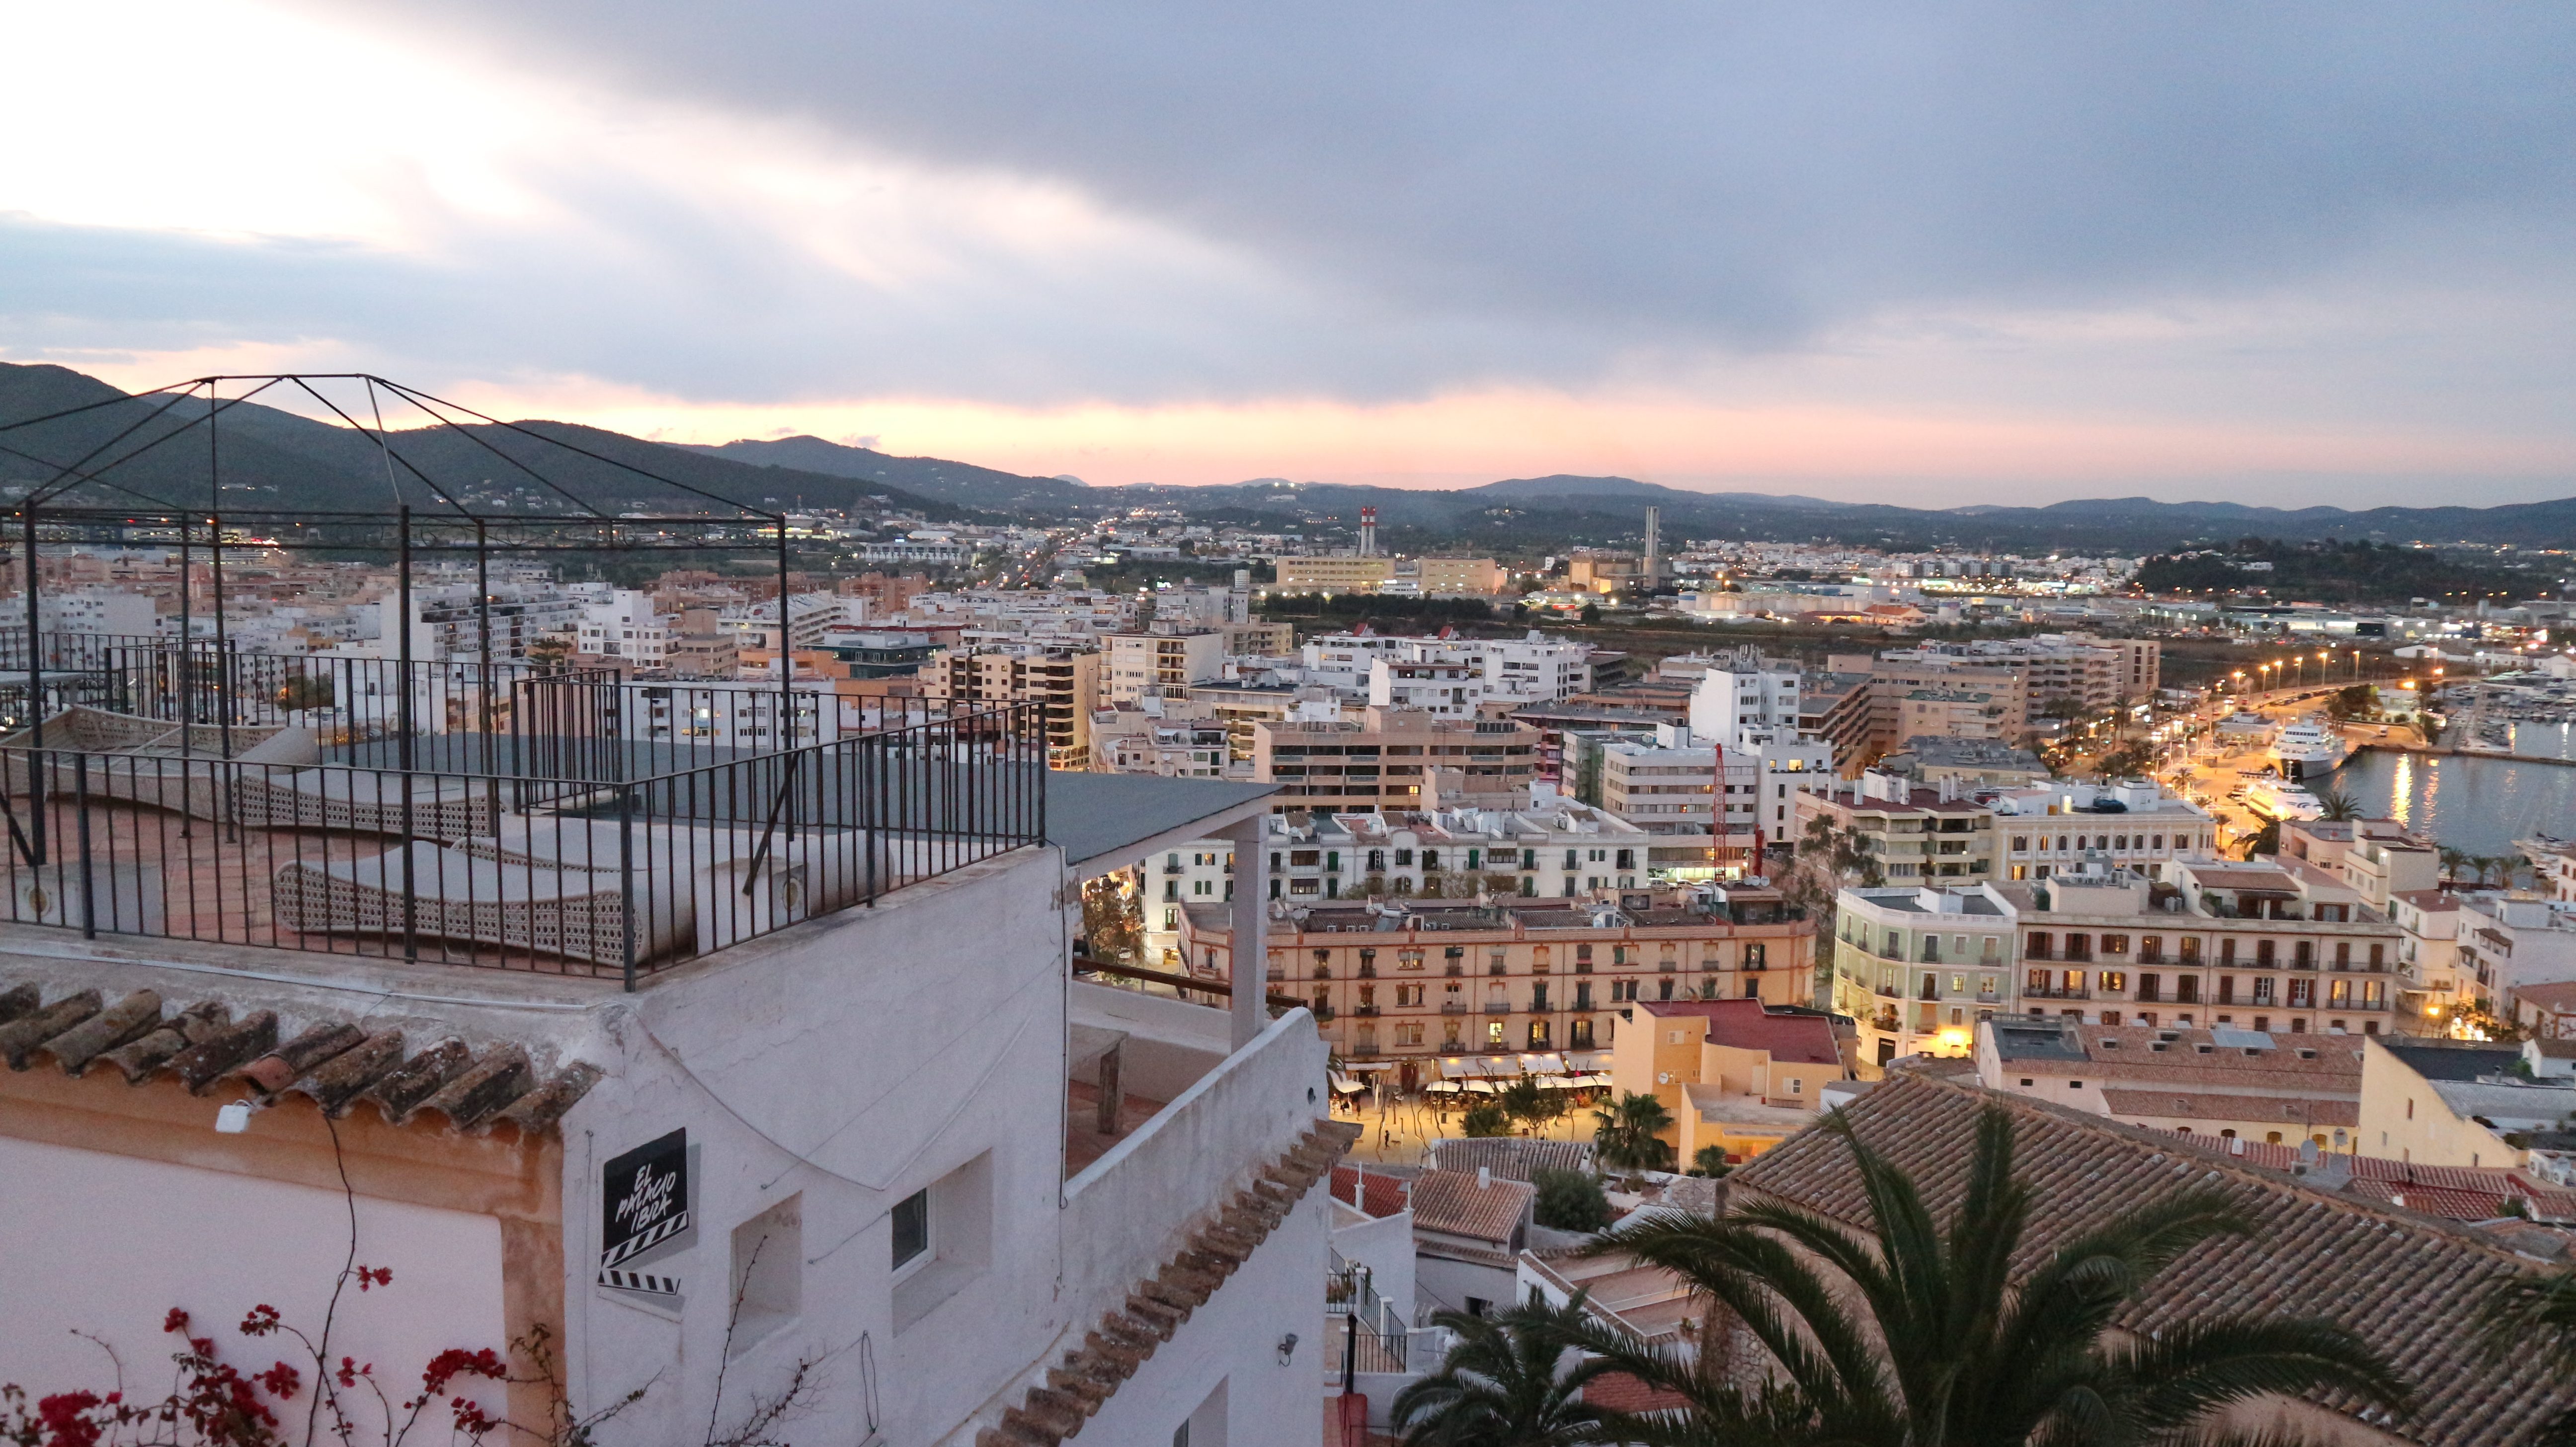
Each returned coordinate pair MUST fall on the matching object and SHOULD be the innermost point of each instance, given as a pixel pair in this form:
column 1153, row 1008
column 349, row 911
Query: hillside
column 275, row 458
column 959, row 483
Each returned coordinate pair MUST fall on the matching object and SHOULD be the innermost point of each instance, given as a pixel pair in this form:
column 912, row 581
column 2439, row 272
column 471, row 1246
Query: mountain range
column 275, row 458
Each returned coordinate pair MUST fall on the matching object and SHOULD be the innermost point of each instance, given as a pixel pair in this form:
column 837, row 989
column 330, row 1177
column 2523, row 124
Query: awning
column 1597, row 1081
column 1362, row 1067
column 1346, row 1085
column 1482, row 1087
column 1545, row 1064
column 1443, row 1087
column 1585, row 1061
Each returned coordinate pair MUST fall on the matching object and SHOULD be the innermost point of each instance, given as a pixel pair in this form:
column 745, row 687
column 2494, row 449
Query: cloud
column 1738, row 174
column 2278, row 242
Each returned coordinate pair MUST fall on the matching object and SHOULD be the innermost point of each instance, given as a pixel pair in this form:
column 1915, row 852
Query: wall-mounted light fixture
column 1287, row 1348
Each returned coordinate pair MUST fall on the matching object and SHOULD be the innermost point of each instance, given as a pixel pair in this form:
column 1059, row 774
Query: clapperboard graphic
column 644, row 1197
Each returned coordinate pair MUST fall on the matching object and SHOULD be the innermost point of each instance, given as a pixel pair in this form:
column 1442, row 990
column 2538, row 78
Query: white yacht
column 2309, row 749
column 2282, row 800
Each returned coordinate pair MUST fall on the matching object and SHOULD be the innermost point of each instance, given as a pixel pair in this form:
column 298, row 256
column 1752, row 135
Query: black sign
column 644, row 1198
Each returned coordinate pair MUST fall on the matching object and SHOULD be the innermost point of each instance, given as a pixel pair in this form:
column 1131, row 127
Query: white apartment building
column 810, row 616
column 1744, row 690
column 1530, row 669
column 2134, row 823
column 1559, row 849
column 2428, row 958
column 626, row 629
column 95, row 610
column 1445, row 689
column 1159, row 662
column 1920, row 967
column 2507, row 944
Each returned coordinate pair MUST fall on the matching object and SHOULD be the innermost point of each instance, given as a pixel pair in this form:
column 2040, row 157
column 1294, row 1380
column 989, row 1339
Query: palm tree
column 1500, row 1387
column 1950, row 1342
column 2453, row 861
column 2537, row 1312
column 1624, row 1135
column 2338, row 806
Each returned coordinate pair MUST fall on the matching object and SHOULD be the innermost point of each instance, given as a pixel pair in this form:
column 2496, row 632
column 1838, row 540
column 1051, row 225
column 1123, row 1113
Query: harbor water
column 2474, row 804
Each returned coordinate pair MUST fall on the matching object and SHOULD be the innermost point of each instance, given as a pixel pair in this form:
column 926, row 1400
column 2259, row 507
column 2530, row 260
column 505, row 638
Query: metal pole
column 402, row 622
column 89, row 900
column 187, row 630
column 483, row 624
column 35, row 699
column 786, row 669
column 626, row 879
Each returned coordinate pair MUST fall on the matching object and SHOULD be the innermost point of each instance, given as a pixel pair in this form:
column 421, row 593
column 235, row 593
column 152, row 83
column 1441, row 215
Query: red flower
column 457, row 1362
column 262, row 1320
column 281, row 1380
column 375, row 1275
column 177, row 1320
column 470, row 1417
column 66, row 1420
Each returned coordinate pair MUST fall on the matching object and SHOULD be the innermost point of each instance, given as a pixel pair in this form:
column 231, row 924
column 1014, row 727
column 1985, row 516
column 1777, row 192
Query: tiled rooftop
column 339, row 1064
column 2412, row 1287
column 1454, row 1204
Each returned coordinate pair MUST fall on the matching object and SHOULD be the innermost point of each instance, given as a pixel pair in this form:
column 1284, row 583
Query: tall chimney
column 1368, row 532
column 1654, row 546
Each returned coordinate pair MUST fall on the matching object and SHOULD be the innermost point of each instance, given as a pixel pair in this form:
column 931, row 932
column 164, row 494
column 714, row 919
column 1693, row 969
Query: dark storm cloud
column 1662, row 174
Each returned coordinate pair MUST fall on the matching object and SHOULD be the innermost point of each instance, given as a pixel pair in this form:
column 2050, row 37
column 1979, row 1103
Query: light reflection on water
column 2473, row 804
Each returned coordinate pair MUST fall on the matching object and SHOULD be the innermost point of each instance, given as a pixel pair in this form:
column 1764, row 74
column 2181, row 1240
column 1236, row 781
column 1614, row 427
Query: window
column 768, row 1272
column 948, row 1230
column 911, row 1228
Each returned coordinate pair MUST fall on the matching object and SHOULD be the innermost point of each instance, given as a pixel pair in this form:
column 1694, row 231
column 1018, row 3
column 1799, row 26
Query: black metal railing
column 243, row 834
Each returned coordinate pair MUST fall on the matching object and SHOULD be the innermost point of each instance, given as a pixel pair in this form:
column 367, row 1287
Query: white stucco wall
column 846, row 1063
column 108, row 1244
column 1126, row 1211
column 1385, row 1246
column 1234, row 1339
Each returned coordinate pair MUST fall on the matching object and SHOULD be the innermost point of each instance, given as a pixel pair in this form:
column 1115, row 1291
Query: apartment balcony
column 1498, row 1007
column 1365, row 1011
column 1453, row 1007
column 2056, row 992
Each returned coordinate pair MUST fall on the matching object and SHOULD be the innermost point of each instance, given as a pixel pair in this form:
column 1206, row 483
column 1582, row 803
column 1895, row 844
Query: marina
column 2475, row 802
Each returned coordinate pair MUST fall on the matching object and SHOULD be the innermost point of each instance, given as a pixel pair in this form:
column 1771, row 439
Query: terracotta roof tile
column 2216, row 1105
column 1386, row 1194
column 2410, row 1286
column 1453, row 1204
column 335, row 1063
column 1511, row 1158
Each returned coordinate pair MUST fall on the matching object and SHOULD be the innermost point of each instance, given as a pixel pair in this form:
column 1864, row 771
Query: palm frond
column 2526, row 1312
column 2189, row 1370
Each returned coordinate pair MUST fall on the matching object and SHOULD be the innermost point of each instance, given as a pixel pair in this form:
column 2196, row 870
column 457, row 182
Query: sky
column 1924, row 254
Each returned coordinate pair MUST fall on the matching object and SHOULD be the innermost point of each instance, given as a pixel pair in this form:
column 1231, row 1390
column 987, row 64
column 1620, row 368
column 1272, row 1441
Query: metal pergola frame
column 453, row 526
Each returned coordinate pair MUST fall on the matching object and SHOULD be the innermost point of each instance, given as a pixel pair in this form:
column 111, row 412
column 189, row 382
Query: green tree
column 1485, row 1118
column 1624, row 1133
column 1530, row 1103
column 2453, row 861
column 1570, row 1201
column 1500, row 1387
column 2531, row 1313
column 2338, row 806
column 2266, row 840
column 1917, row 1333
column 2351, row 703
column 1709, row 1161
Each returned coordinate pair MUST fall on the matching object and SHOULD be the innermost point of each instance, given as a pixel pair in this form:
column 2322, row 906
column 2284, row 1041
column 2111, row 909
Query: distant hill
column 959, row 483
column 277, row 459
